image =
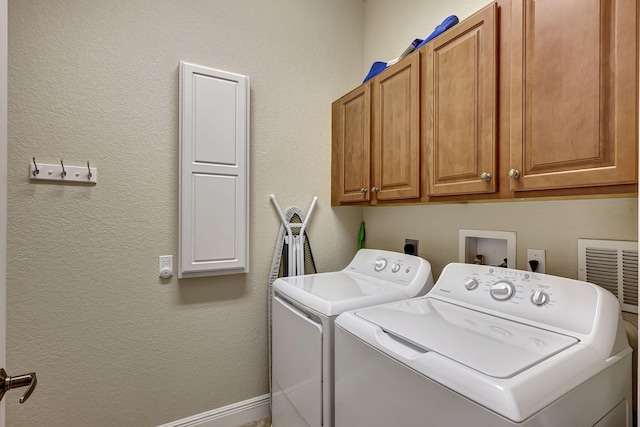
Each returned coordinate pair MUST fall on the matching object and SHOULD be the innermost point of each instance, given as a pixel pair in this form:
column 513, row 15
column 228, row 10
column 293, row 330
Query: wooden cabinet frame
column 396, row 132
column 562, row 114
column 351, row 147
column 574, row 94
column 459, row 107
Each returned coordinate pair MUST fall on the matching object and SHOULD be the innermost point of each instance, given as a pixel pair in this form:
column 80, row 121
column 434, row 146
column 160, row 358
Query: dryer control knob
column 471, row 284
column 395, row 268
column 539, row 298
column 502, row 290
column 380, row 264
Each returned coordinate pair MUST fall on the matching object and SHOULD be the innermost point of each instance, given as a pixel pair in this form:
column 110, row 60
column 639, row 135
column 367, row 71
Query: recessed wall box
column 494, row 246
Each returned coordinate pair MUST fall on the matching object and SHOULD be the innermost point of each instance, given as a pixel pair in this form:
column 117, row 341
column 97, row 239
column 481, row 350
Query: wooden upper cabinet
column 459, row 94
column 351, row 145
column 574, row 93
column 396, row 131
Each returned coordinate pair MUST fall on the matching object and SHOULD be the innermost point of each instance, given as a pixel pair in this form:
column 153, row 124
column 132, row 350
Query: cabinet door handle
column 485, row 176
column 375, row 189
column 513, row 173
column 363, row 190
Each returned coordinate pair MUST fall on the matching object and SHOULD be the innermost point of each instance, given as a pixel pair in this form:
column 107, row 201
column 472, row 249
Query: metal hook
column 90, row 174
column 36, row 171
column 64, row 172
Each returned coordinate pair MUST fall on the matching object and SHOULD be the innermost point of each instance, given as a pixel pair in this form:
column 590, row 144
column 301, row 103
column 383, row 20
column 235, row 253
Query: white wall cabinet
column 214, row 172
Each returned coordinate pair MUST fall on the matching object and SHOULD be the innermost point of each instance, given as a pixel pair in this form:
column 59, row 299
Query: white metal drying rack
column 295, row 243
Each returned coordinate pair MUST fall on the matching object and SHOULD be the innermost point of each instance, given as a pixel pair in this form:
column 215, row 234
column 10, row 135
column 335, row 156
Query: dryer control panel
column 407, row 272
column 546, row 299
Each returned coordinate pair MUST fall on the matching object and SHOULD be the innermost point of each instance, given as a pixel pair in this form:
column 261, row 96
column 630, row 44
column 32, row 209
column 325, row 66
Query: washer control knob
column 471, row 284
column 395, row 268
column 539, row 298
column 502, row 290
column 380, row 264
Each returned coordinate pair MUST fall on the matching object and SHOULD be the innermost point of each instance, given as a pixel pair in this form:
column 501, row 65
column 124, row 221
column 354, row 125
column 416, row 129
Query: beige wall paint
column 551, row 225
column 3, row 189
column 111, row 342
column 554, row 226
column 390, row 26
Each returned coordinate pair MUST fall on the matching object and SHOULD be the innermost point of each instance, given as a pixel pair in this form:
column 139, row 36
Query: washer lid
column 488, row 344
column 333, row 293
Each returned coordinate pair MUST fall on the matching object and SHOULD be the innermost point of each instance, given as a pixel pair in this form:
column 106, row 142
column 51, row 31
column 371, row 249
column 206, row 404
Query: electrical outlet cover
column 537, row 255
column 407, row 247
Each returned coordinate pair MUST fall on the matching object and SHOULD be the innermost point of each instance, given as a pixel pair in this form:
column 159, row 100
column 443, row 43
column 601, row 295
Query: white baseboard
column 233, row 415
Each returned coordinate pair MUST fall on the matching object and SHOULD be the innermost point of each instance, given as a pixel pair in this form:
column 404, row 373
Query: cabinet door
column 396, row 136
column 574, row 93
column 214, row 172
column 351, row 142
column 459, row 107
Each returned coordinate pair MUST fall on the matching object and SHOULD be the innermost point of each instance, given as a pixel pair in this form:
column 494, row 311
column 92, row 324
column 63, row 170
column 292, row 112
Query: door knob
column 513, row 173
column 375, row 189
column 26, row 380
column 363, row 190
column 485, row 176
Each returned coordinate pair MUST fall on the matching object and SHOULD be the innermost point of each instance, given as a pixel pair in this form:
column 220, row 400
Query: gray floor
column 265, row 422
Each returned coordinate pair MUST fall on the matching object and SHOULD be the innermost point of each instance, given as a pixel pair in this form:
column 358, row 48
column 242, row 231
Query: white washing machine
column 303, row 312
column 486, row 347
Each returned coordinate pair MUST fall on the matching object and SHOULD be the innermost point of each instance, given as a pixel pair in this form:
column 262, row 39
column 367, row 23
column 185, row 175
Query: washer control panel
column 566, row 303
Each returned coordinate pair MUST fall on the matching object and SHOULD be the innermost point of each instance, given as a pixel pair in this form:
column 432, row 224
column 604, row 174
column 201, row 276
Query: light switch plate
column 165, row 266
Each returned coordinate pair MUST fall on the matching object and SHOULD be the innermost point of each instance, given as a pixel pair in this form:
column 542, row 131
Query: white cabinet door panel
column 216, row 140
column 214, row 172
column 209, row 214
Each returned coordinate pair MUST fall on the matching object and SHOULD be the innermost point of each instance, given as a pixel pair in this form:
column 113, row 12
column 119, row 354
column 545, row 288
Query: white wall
column 551, row 225
column 112, row 343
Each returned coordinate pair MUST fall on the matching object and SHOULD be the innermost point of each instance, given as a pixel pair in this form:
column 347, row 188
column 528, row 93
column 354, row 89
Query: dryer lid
column 488, row 344
column 333, row 293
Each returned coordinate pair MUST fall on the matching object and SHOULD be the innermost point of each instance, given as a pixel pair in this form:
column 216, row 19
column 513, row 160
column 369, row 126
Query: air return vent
column 613, row 265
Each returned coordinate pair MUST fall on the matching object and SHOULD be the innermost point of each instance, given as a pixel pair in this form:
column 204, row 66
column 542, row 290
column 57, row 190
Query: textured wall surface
column 111, row 342
column 554, row 226
column 390, row 26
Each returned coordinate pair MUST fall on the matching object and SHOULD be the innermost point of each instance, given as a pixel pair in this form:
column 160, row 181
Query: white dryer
column 303, row 312
column 486, row 347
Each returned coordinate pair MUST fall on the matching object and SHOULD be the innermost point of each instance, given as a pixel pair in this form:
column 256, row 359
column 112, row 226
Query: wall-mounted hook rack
column 62, row 173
